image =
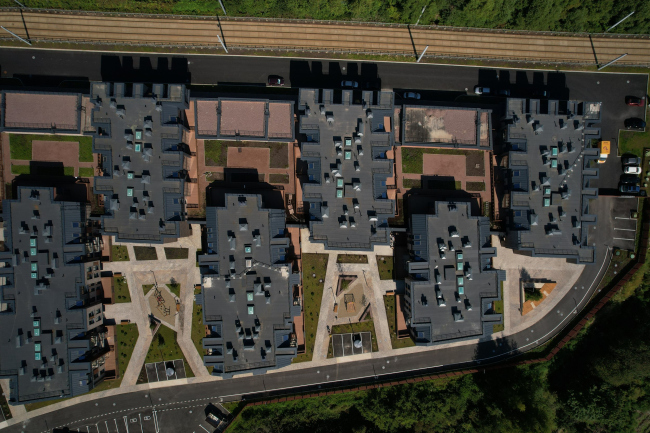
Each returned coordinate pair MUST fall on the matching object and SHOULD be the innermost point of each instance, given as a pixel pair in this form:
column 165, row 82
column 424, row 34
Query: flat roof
column 246, row 286
column 34, row 110
column 143, row 175
column 550, row 174
column 41, row 285
column 447, row 126
column 451, row 252
column 347, row 170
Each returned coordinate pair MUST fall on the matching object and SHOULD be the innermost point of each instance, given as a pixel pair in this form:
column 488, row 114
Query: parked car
column 632, row 189
column 482, row 90
column 635, row 101
column 348, row 83
column 631, row 160
column 275, row 81
column 539, row 93
column 504, row 92
column 634, row 123
column 411, row 95
column 629, row 179
column 632, row 169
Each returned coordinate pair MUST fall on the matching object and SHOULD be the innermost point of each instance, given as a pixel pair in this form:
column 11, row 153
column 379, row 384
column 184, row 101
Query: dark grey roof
column 345, row 186
column 550, row 175
column 151, row 166
column 437, row 289
column 53, row 293
column 246, row 269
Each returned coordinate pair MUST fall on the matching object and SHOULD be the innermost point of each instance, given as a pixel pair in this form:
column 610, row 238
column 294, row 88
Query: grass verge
column 314, row 269
column 397, row 343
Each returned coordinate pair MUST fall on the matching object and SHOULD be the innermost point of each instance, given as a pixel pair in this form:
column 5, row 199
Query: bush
column 533, row 295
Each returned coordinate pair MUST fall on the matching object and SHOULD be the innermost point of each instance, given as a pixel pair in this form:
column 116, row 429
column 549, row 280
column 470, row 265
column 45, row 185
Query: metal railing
column 54, row 126
column 213, row 318
column 249, row 366
column 207, row 132
column 280, row 135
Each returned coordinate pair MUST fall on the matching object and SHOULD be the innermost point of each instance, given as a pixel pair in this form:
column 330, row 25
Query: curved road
column 200, row 70
column 322, row 36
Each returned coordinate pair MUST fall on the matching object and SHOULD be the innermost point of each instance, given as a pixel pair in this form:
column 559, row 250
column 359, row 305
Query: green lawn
column 86, row 172
column 121, row 290
column 412, row 157
column 313, row 290
column 498, row 305
column 20, row 146
column 176, row 253
column 215, row 153
column 278, row 178
column 352, row 258
column 126, row 336
column 86, row 150
column 68, row 171
column 498, row 328
column 165, row 348
column 145, row 253
column 389, row 304
column 198, row 329
column 20, row 169
column 119, row 253
column 146, row 288
column 412, row 183
column 475, row 186
column 385, row 266
column 175, row 288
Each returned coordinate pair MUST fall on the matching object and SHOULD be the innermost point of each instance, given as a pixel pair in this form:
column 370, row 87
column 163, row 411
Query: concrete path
column 16, row 411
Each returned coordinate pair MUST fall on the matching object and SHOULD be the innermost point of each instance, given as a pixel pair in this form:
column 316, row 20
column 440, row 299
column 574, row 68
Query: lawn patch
column 68, row 171
column 475, row 186
column 216, row 153
column 354, row 328
column 412, row 183
column 498, row 327
column 497, row 306
column 125, row 338
column 146, row 288
column 119, row 253
column 278, row 178
column 86, row 150
column 314, row 269
column 20, row 146
column 412, row 159
column 175, row 288
column 632, row 142
column 86, row 172
column 121, row 289
column 352, row 258
column 198, row 328
column 385, row 267
column 176, row 253
column 164, row 347
column 20, row 169
column 396, row 343
column 145, row 253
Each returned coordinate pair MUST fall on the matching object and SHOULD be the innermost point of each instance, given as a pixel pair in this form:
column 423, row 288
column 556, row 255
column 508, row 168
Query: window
column 281, row 232
column 383, row 183
column 339, row 183
column 176, row 201
column 420, row 334
column 210, row 244
column 416, row 243
column 129, row 192
column 348, row 154
column 32, row 242
column 311, row 177
column 37, row 332
column 515, row 173
column 516, row 186
column 129, row 175
column 553, row 163
column 547, row 202
column 459, row 266
column 517, row 213
column 137, row 147
column 547, row 190
column 248, row 249
column 251, row 310
column 382, row 155
column 383, row 195
column 339, row 193
column 34, row 267
column 32, row 251
column 312, row 205
column 311, row 165
column 461, row 290
column 249, row 296
column 75, row 225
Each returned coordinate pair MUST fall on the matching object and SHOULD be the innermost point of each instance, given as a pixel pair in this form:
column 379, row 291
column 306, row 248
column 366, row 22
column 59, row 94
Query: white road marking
column 628, row 230
column 106, row 422
column 204, row 428
column 126, row 424
column 624, row 239
column 116, row 428
column 141, row 429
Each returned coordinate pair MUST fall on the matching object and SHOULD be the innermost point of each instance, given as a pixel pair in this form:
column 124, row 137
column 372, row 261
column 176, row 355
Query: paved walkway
column 323, row 36
column 138, row 273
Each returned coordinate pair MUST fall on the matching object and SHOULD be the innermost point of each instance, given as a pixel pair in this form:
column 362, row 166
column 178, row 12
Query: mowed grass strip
column 314, row 269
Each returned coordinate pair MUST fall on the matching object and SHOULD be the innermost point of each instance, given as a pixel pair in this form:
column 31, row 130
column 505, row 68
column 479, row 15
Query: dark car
column 349, row 84
column 627, row 179
column 630, row 189
column 479, row 90
column 635, row 101
column 631, row 160
column 634, row 123
column 275, row 81
column 503, row 92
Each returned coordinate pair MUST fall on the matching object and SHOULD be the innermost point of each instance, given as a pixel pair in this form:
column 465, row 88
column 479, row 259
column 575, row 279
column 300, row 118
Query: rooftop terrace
column 31, row 111
column 467, row 128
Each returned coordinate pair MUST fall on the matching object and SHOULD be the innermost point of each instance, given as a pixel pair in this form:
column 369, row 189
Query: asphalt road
column 436, row 83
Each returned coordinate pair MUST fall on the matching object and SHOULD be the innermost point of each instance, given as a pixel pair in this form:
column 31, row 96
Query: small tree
column 161, row 340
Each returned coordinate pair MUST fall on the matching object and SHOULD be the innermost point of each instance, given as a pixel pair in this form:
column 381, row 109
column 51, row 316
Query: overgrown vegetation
column 314, row 269
column 145, row 253
column 556, row 15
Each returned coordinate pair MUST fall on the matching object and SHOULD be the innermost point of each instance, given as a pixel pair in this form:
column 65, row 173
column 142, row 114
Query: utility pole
column 222, row 44
column 626, row 17
column 615, row 60
column 418, row 21
column 15, row 35
column 220, row 2
column 422, row 55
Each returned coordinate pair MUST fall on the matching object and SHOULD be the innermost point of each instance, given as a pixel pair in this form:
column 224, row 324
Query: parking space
column 625, row 225
column 168, row 370
column 141, row 422
column 351, row 344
